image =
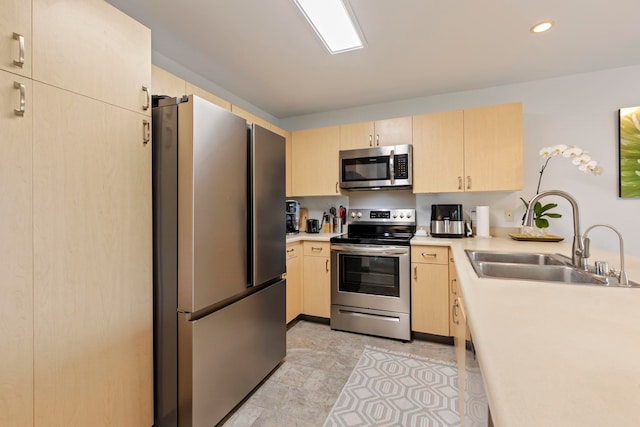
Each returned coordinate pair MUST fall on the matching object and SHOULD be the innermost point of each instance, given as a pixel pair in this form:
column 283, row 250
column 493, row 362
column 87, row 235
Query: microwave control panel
column 401, row 166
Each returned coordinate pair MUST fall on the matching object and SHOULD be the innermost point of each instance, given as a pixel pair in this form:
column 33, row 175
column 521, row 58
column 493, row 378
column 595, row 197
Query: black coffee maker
column 292, row 212
column 447, row 221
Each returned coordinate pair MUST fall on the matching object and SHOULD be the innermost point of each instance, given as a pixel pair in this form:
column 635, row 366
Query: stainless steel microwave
column 376, row 168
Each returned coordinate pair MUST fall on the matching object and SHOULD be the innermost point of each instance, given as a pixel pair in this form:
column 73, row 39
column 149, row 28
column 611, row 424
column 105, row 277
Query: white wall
column 575, row 110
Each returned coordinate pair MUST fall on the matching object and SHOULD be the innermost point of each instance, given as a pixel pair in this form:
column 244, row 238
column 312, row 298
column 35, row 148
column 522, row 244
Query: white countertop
column 553, row 354
column 313, row 237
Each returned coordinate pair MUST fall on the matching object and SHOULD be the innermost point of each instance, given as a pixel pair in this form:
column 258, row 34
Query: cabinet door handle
column 314, row 248
column 337, row 191
column 454, row 284
column 428, row 255
column 20, row 111
column 326, row 265
column 454, row 313
column 146, row 131
column 377, row 140
column 415, row 272
column 290, row 250
column 148, row 104
column 20, row 61
column 370, row 140
column 468, row 182
column 459, row 182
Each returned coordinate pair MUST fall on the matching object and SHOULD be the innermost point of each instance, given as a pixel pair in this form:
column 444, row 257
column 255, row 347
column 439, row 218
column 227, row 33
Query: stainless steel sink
column 517, row 258
column 537, row 267
column 545, row 273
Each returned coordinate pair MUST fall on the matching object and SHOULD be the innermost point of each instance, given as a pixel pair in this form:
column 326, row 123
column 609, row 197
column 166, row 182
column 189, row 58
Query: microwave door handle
column 392, row 172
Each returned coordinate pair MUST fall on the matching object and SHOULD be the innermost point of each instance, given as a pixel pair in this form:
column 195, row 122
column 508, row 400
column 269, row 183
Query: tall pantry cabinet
column 76, row 312
column 16, row 262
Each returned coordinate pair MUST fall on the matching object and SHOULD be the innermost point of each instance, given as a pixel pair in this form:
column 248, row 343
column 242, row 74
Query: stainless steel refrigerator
column 219, row 256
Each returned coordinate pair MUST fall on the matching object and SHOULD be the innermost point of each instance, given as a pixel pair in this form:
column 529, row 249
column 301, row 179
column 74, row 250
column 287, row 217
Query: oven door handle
column 370, row 250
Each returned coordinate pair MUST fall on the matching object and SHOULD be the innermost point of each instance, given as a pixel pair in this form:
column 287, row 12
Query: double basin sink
column 538, row 267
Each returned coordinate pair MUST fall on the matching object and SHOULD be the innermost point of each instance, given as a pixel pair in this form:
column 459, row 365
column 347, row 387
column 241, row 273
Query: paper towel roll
column 482, row 221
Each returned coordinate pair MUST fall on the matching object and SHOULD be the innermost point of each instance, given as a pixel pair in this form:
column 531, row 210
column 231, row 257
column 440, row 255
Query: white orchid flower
column 572, row 152
column 591, row 166
column 581, row 160
column 546, row 152
column 558, row 149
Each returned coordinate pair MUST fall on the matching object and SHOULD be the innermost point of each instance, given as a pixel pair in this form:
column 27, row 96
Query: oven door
column 371, row 276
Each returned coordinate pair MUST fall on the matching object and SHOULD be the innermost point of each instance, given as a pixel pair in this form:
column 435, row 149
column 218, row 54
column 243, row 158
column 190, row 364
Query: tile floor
column 302, row 391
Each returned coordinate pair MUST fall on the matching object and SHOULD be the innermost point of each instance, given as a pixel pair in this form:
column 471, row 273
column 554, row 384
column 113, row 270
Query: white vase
column 533, row 231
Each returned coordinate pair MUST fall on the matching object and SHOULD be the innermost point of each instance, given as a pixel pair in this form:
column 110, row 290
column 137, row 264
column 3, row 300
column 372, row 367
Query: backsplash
column 497, row 202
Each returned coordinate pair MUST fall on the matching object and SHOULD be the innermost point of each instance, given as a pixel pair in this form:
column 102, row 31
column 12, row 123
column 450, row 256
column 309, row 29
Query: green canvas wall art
column 630, row 152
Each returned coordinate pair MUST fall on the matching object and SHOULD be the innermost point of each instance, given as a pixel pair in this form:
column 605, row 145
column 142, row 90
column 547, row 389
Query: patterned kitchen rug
column 388, row 388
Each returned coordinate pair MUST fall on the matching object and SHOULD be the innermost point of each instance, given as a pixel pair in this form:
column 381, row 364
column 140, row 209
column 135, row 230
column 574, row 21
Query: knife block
column 304, row 215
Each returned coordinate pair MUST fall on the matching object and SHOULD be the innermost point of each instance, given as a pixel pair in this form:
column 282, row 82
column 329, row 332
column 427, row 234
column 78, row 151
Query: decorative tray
column 527, row 238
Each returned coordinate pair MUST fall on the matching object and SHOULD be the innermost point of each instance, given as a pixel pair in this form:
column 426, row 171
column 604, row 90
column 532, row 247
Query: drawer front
column 317, row 248
column 293, row 250
column 430, row 254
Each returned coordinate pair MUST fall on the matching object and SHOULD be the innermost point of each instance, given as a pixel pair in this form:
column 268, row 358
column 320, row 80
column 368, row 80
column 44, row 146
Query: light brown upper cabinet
column 376, row 134
column 478, row 149
column 165, row 83
column 438, row 152
column 249, row 117
column 314, row 155
column 493, row 148
column 91, row 48
column 214, row 99
column 15, row 42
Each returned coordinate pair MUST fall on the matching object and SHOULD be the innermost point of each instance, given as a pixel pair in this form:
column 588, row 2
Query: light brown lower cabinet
column 316, row 291
column 294, row 280
column 470, row 384
column 430, row 289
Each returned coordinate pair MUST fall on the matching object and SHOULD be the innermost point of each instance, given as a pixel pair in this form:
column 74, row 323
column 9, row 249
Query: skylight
column 333, row 23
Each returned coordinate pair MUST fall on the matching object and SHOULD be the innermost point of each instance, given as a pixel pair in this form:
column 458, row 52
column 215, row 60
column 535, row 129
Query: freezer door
column 225, row 355
column 267, row 205
column 212, row 194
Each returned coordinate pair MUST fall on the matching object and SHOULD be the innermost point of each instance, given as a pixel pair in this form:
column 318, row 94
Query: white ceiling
column 264, row 51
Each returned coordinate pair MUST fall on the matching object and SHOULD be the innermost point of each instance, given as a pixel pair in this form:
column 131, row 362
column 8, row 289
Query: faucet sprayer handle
column 586, row 243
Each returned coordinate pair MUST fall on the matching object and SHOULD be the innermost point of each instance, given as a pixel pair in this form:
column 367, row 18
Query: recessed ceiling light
column 541, row 27
column 333, row 23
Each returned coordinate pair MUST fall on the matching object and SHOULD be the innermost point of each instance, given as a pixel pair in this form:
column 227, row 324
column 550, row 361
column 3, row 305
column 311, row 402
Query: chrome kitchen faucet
column 578, row 258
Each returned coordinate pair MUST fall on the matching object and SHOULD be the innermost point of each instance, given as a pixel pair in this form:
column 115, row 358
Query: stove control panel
column 382, row 216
